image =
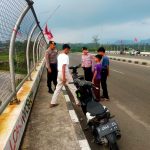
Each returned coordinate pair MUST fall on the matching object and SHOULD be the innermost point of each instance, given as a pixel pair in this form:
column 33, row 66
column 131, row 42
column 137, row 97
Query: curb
column 146, row 54
column 146, row 63
column 84, row 145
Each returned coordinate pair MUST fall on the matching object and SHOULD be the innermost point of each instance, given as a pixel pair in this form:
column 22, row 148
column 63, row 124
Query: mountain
column 124, row 42
column 130, row 42
column 145, row 41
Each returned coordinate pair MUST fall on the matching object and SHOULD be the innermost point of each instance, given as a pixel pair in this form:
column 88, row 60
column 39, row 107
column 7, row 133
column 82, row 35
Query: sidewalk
column 49, row 128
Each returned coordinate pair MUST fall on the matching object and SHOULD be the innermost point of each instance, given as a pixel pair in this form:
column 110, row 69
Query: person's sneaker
column 86, row 128
column 107, row 99
column 102, row 97
column 51, row 91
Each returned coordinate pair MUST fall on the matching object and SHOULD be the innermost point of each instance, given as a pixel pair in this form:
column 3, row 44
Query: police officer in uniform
column 51, row 65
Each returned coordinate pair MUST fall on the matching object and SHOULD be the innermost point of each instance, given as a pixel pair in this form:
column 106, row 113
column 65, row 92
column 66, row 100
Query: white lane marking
column 146, row 66
column 73, row 116
column 67, row 98
column 72, row 113
column 84, row 145
column 64, row 89
column 117, row 71
column 133, row 116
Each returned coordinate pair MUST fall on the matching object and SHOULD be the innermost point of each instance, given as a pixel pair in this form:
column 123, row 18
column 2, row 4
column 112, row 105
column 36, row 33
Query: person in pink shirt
column 87, row 60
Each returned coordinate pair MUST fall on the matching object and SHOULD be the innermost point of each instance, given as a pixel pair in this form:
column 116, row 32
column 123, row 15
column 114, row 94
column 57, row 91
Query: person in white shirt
column 63, row 73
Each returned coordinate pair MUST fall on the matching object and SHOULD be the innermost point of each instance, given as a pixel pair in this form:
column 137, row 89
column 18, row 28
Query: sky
column 77, row 21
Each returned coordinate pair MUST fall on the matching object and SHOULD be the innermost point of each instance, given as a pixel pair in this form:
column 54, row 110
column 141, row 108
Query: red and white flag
column 48, row 33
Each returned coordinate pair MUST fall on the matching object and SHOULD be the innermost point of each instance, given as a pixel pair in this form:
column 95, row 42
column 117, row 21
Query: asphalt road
column 129, row 90
column 132, row 56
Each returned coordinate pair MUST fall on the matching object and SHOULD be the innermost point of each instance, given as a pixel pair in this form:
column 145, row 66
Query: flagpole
column 51, row 15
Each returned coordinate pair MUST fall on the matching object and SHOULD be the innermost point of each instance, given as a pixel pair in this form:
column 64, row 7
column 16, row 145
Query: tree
column 96, row 41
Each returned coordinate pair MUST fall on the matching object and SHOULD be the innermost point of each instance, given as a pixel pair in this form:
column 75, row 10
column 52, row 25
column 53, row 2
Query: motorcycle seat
column 96, row 109
column 81, row 77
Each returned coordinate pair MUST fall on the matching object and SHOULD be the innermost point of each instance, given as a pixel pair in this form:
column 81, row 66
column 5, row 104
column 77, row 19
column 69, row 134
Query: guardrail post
column 44, row 47
column 34, row 47
column 41, row 49
column 27, row 51
column 11, row 49
column 37, row 49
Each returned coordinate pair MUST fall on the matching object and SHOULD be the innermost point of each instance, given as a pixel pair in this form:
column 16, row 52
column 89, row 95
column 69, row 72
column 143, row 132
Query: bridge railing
column 22, row 46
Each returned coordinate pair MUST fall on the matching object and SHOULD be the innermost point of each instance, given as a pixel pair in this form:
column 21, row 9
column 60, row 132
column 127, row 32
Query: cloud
column 80, row 19
column 106, row 33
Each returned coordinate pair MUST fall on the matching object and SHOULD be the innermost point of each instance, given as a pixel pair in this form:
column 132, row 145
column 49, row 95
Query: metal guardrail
column 22, row 46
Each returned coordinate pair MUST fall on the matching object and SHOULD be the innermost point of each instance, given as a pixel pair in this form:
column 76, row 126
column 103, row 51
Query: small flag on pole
column 135, row 39
column 48, row 33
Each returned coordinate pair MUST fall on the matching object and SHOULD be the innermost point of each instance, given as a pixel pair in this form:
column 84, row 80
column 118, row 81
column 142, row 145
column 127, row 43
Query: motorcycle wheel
column 112, row 140
column 113, row 146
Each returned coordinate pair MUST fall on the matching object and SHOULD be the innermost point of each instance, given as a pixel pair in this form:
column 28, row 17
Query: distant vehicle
column 138, row 52
column 122, row 52
column 134, row 52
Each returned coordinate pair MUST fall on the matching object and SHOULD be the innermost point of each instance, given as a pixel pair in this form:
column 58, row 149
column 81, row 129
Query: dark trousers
column 88, row 73
column 104, row 75
column 52, row 76
column 84, row 109
column 97, row 91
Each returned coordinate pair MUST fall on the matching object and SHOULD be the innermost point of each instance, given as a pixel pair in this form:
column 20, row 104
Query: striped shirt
column 50, row 57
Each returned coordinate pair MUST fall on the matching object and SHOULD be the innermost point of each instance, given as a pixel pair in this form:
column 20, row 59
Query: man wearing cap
column 51, row 65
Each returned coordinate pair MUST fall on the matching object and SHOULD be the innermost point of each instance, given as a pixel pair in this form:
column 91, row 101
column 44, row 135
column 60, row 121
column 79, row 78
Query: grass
column 19, row 61
column 4, row 56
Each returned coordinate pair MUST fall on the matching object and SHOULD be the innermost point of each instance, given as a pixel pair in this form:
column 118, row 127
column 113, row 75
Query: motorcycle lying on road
column 104, row 129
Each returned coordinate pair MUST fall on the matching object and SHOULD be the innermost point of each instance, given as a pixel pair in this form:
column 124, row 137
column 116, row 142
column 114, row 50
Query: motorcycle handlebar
column 84, row 83
column 75, row 67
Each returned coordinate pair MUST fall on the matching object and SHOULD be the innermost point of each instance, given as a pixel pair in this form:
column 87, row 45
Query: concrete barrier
column 146, row 54
column 131, row 60
column 13, row 120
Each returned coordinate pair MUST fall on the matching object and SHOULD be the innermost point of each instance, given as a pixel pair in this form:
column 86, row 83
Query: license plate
column 108, row 128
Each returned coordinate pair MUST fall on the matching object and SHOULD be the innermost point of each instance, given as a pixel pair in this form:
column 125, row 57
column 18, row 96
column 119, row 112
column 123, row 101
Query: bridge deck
column 49, row 129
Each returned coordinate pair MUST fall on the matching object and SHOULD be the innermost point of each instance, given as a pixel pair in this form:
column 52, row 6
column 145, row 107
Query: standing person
column 97, row 76
column 63, row 73
column 104, row 73
column 87, row 59
column 51, row 65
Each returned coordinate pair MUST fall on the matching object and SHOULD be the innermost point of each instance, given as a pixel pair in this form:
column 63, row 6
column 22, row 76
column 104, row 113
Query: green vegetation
column 4, row 56
column 78, row 47
column 20, row 52
column 110, row 47
column 19, row 58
